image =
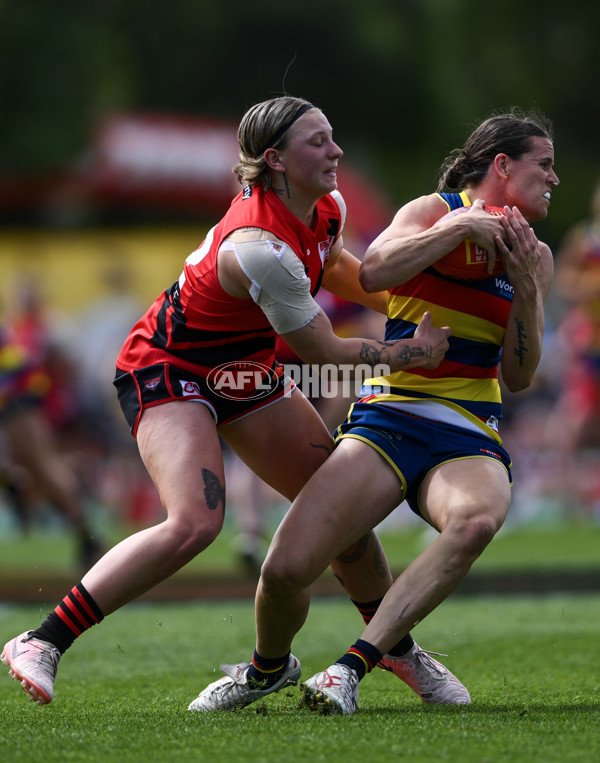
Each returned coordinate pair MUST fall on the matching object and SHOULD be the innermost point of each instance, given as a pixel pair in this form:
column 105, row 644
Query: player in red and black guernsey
column 198, row 326
column 200, row 365
column 427, row 436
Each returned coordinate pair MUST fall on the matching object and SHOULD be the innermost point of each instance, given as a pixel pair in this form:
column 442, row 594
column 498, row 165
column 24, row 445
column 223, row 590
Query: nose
column 336, row 150
column 554, row 178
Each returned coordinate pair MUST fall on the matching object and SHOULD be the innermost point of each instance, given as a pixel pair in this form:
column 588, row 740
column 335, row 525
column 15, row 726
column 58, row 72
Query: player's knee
column 477, row 531
column 191, row 536
column 280, row 574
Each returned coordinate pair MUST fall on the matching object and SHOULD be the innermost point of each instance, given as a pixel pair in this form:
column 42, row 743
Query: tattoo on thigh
column 327, row 448
column 214, row 492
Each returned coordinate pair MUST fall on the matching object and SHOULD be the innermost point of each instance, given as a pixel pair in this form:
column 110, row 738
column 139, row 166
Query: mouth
column 547, row 195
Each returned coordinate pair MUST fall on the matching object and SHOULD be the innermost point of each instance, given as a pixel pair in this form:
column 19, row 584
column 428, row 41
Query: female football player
column 201, row 364
column 427, row 436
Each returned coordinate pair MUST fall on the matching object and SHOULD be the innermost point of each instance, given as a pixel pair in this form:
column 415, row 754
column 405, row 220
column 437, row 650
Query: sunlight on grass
column 570, row 545
column 123, row 689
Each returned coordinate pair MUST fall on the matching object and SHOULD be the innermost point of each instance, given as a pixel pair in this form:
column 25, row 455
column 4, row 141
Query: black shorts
column 163, row 383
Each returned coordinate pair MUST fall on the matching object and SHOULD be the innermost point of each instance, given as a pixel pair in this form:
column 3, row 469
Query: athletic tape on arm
column 280, row 286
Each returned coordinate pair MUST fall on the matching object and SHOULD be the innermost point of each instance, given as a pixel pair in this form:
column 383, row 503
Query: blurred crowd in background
column 116, row 157
column 66, row 455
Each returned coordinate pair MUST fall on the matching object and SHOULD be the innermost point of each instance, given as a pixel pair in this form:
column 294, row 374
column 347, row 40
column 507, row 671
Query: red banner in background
column 170, row 162
column 187, row 162
column 163, row 160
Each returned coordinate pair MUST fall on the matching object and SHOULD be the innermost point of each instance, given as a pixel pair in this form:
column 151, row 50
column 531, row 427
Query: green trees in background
column 402, row 81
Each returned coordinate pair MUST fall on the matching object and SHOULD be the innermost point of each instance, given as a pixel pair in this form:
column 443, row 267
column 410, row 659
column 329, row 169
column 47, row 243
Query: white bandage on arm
column 280, row 286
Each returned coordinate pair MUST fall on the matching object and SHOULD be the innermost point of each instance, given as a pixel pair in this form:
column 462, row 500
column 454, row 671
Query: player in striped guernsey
column 427, row 436
column 201, row 364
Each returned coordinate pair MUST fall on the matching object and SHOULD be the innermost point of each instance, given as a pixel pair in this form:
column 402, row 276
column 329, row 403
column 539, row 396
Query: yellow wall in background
column 72, row 267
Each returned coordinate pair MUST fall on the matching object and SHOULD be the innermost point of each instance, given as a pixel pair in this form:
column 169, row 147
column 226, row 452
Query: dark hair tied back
column 508, row 133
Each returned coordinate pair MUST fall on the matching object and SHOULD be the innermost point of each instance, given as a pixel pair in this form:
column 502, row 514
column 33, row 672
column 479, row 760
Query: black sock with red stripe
column 75, row 614
column 367, row 610
column 264, row 672
column 361, row 657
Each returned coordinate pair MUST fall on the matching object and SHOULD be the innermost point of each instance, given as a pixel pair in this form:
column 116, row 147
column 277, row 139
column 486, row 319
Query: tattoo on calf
column 214, row 492
column 357, row 552
column 339, row 579
column 380, row 567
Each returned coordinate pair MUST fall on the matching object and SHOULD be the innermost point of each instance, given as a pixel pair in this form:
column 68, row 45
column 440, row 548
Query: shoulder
column 264, row 257
column 247, row 234
column 337, row 197
column 334, row 201
column 421, row 213
column 546, row 256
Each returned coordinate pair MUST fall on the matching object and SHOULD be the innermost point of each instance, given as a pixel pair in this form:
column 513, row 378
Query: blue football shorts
column 414, row 446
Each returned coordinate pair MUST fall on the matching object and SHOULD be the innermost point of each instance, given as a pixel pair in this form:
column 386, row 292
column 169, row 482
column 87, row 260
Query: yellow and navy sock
column 264, row 671
column 76, row 613
column 367, row 611
column 361, row 657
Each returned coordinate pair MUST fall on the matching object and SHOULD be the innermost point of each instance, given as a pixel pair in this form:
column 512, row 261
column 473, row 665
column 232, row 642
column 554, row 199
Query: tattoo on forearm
column 403, row 353
column 375, row 353
column 214, row 492
column 522, row 348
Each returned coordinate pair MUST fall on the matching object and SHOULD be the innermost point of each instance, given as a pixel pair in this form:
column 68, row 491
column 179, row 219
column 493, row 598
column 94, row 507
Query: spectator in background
column 34, row 404
column 574, row 423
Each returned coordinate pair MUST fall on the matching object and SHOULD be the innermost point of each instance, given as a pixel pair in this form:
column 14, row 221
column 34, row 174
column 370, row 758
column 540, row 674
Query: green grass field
column 568, row 545
column 122, row 691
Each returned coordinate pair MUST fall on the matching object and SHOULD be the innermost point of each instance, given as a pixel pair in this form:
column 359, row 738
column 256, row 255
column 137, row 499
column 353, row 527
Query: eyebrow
column 320, row 132
column 541, row 158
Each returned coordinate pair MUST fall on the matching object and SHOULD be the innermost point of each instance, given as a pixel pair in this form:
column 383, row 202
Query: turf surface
column 123, row 689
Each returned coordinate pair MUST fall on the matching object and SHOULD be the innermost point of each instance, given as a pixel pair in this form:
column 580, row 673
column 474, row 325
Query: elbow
column 514, row 388
column 517, row 383
column 367, row 279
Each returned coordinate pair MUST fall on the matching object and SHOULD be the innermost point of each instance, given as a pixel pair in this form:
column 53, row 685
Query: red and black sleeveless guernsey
column 466, row 381
column 195, row 325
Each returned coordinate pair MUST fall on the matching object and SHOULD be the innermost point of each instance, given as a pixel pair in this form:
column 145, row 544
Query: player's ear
column 273, row 160
column 502, row 165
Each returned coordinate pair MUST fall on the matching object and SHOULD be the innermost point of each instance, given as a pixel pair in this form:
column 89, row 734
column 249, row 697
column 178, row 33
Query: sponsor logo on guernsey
column 152, row 384
column 492, row 423
column 325, row 249
column 504, row 286
column 241, row 380
column 189, row 388
column 491, row 453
